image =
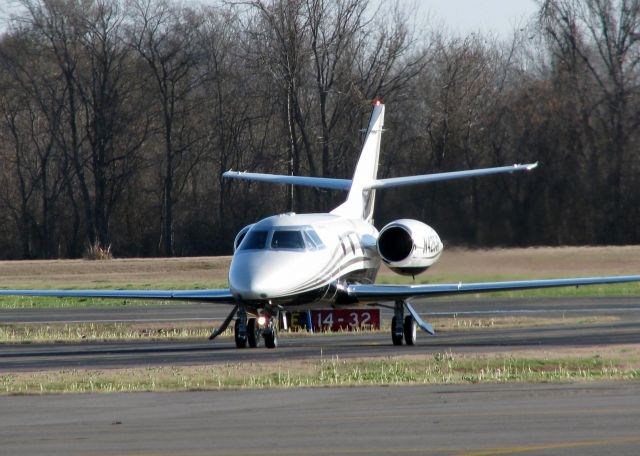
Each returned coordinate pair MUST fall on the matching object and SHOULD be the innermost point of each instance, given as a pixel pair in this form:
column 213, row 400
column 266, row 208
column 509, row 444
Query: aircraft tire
column 271, row 338
column 395, row 337
column 410, row 330
column 241, row 341
column 253, row 333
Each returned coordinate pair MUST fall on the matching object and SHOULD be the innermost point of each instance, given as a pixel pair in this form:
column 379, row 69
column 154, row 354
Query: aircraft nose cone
column 253, row 277
column 247, row 286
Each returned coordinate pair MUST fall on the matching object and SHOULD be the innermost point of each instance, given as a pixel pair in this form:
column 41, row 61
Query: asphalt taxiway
column 624, row 329
column 427, row 308
column 586, row 419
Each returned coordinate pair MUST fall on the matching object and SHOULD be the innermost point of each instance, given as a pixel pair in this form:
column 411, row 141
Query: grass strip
column 21, row 302
column 28, row 302
column 612, row 290
column 20, row 333
column 439, row 368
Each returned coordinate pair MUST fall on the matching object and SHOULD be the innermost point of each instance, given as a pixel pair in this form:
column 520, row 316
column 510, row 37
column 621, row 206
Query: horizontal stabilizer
column 320, row 182
column 428, row 178
column 345, row 184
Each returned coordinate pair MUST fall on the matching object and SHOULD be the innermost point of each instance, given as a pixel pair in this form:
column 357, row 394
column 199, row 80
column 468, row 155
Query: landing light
column 262, row 320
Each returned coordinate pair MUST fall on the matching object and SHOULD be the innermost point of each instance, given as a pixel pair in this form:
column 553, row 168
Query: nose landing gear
column 251, row 330
column 240, row 329
column 253, row 333
column 271, row 336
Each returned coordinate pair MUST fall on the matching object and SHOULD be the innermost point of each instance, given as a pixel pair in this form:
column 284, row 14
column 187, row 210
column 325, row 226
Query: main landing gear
column 405, row 327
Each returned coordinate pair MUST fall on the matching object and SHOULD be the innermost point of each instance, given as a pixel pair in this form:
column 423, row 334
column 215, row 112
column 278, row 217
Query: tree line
column 118, row 117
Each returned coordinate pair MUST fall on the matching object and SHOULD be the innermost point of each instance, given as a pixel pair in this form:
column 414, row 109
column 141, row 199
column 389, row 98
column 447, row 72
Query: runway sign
column 337, row 320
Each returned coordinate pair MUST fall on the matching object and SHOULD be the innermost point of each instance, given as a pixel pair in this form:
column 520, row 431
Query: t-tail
column 362, row 188
column 361, row 198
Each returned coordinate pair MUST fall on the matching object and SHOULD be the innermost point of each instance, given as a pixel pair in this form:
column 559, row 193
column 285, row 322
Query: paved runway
column 127, row 354
column 590, row 419
column 624, row 330
column 433, row 308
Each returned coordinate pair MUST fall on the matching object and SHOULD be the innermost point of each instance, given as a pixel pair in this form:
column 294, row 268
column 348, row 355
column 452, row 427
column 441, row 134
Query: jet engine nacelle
column 409, row 247
column 240, row 236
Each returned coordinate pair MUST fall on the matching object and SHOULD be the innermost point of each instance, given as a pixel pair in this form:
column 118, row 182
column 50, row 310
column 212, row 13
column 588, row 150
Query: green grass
column 22, row 302
column 17, row 302
column 614, row 290
column 27, row 302
column 440, row 368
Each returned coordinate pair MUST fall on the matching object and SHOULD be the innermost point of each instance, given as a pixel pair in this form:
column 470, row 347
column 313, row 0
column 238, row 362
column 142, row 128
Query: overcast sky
column 462, row 17
column 498, row 17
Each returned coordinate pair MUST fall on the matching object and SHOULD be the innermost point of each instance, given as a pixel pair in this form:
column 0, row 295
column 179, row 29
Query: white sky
column 462, row 17
column 498, row 17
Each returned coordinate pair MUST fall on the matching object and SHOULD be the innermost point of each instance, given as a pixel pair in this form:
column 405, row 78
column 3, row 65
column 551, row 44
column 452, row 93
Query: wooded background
column 117, row 119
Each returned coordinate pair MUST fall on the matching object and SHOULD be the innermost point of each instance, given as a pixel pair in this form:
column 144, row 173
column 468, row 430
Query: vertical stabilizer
column 361, row 198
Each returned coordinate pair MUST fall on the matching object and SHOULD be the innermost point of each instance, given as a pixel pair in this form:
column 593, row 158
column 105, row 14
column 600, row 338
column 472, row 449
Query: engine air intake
column 395, row 244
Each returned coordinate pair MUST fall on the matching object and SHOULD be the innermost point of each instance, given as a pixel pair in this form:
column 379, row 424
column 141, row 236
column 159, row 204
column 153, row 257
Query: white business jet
column 314, row 261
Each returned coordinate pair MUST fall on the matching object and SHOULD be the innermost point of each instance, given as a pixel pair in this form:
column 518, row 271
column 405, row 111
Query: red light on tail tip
column 377, row 101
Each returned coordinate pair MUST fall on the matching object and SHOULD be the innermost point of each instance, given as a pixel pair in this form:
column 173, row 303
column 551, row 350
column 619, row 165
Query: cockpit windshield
column 254, row 240
column 313, row 240
column 287, row 239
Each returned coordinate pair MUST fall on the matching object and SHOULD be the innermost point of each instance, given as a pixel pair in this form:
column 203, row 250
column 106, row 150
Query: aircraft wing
column 321, row 182
column 428, row 178
column 392, row 292
column 222, row 295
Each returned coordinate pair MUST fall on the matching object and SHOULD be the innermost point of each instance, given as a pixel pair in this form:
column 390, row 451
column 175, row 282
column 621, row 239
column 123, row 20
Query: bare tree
column 32, row 107
column 335, row 31
column 320, row 54
column 231, row 116
column 85, row 42
column 597, row 42
column 115, row 123
column 167, row 39
column 281, row 35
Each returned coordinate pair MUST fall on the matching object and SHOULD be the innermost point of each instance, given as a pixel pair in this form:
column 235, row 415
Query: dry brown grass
column 541, row 261
column 618, row 363
column 137, row 272
column 212, row 271
column 182, row 330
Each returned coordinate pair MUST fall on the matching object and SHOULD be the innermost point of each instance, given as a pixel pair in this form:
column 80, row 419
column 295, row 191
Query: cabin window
column 254, row 240
column 287, row 239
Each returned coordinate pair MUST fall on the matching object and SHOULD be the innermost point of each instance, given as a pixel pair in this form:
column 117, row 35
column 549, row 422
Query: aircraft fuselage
column 303, row 260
